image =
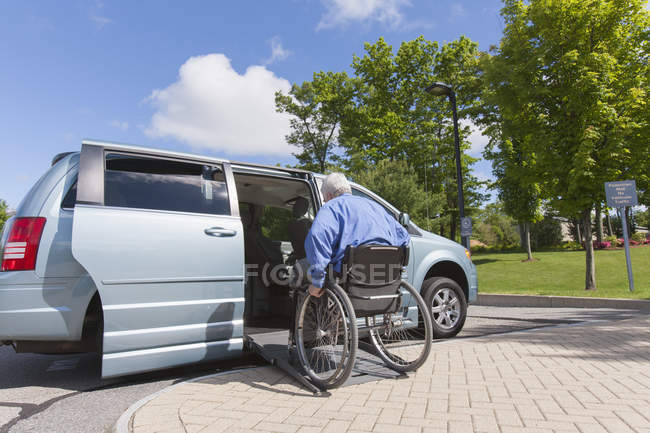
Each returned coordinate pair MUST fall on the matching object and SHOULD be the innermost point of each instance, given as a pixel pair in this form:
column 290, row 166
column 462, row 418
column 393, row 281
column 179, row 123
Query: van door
column 162, row 239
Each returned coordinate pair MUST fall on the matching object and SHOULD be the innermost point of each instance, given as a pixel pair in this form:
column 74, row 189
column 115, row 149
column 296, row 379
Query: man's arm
column 319, row 244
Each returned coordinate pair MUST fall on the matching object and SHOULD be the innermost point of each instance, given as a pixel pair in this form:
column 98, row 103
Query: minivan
column 157, row 258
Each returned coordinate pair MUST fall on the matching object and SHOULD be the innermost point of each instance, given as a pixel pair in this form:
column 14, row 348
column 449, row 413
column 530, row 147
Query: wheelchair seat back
column 371, row 275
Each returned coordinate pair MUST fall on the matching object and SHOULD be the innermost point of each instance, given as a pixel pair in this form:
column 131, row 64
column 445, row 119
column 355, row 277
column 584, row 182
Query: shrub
column 611, row 239
column 572, row 246
column 602, row 245
column 638, row 237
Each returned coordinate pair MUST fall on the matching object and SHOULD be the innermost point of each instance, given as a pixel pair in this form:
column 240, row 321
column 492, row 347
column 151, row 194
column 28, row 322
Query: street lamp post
column 442, row 89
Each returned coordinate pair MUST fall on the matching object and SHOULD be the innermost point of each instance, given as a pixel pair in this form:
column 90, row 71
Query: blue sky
column 190, row 76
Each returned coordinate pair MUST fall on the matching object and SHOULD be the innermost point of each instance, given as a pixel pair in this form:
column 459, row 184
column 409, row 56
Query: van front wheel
column 447, row 304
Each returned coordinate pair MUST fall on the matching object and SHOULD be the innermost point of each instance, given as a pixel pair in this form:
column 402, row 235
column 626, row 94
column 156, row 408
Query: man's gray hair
column 335, row 184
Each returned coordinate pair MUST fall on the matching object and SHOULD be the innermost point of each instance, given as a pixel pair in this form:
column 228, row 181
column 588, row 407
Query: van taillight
column 21, row 247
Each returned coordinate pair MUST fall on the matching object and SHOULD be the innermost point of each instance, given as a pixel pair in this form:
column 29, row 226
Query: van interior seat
column 258, row 249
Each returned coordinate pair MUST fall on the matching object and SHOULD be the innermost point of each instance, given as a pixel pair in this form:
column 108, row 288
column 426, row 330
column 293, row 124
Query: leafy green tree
column 643, row 218
column 394, row 118
column 399, row 185
column 578, row 74
column 496, row 228
column 517, row 191
column 546, row 232
column 3, row 213
column 317, row 108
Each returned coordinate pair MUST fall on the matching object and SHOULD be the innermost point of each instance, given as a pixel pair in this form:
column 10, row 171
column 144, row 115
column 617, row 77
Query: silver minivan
column 158, row 258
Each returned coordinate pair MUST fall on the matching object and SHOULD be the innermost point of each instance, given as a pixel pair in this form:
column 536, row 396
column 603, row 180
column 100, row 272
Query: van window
column 70, row 198
column 275, row 223
column 163, row 184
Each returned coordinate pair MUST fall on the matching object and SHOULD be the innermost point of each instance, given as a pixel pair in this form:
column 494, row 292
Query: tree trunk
column 599, row 224
column 609, row 224
column 590, row 268
column 526, row 240
column 577, row 221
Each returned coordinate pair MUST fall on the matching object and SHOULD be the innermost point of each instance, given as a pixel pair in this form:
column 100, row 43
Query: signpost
column 619, row 195
column 465, row 230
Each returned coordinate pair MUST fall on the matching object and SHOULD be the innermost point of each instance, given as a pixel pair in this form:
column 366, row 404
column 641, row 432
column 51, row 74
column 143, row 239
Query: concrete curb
column 122, row 425
column 495, row 300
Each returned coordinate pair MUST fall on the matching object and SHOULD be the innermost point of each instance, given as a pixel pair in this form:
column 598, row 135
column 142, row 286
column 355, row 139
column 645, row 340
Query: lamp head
column 439, row 89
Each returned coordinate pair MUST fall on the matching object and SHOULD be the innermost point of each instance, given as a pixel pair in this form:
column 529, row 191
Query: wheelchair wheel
column 403, row 343
column 326, row 337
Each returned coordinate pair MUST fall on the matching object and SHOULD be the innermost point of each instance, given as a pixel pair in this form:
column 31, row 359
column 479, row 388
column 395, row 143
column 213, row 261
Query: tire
column 327, row 355
column 403, row 348
column 447, row 316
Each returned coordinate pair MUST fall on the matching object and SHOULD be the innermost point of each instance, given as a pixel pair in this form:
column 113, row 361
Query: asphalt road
column 64, row 393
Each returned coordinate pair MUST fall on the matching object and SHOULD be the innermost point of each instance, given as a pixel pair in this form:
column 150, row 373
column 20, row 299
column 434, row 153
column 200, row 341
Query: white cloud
column 100, row 21
column 121, row 125
column 476, row 138
column 342, row 12
column 212, row 106
column 278, row 52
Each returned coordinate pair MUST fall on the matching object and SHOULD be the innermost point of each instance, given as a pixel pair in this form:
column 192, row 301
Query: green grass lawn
column 562, row 273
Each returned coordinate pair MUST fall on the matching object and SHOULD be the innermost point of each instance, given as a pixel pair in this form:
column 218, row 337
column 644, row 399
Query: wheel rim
column 446, row 308
column 323, row 333
column 399, row 340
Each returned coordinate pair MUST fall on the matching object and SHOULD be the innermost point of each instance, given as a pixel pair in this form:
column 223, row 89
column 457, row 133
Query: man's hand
column 315, row 291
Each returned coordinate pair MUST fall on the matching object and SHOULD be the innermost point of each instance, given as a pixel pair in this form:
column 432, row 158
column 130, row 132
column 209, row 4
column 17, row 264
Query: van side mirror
column 404, row 219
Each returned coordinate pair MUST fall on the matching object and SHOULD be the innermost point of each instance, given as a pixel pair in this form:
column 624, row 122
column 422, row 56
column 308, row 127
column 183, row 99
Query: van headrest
column 300, row 207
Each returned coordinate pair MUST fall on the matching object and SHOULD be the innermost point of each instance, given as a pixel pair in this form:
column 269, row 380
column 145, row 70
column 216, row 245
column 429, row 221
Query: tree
column 496, row 228
column 547, row 232
column 399, row 185
column 578, row 73
column 317, row 108
column 520, row 195
column 643, row 218
column 509, row 125
column 3, row 213
column 394, row 118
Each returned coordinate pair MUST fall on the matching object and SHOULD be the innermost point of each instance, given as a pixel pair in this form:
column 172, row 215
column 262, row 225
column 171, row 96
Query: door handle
column 220, row 232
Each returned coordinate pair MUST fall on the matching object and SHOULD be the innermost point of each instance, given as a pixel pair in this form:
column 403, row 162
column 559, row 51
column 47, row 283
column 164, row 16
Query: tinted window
column 70, row 198
column 149, row 183
column 275, row 223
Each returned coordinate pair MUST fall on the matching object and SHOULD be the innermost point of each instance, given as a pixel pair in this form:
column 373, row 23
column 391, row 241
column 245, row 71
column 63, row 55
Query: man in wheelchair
column 346, row 220
column 359, row 241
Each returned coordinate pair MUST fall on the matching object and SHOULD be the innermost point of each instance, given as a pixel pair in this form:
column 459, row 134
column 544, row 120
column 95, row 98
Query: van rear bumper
column 33, row 308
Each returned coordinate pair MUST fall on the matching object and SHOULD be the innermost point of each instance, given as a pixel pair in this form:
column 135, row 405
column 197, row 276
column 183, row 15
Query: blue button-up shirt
column 348, row 220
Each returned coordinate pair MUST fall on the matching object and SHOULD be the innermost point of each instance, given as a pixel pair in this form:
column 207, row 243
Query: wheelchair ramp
column 273, row 348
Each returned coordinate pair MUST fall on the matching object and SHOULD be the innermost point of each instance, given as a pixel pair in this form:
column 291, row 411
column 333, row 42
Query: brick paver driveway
column 590, row 378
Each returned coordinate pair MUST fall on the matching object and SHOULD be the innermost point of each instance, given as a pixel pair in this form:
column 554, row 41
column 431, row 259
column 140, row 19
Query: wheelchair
column 367, row 300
